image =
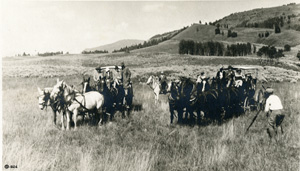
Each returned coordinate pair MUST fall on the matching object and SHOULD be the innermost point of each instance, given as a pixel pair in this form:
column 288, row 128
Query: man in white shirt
column 273, row 109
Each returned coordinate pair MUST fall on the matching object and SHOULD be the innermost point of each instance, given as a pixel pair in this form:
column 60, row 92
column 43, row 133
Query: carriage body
column 248, row 101
column 121, row 97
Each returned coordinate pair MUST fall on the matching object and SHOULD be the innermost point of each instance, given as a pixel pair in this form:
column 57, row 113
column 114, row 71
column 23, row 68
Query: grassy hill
column 116, row 45
column 204, row 33
column 262, row 14
column 236, row 22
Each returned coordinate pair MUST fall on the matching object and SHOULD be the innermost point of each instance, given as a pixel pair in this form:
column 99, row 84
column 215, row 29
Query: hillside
column 204, row 33
column 116, row 45
column 248, row 25
column 287, row 12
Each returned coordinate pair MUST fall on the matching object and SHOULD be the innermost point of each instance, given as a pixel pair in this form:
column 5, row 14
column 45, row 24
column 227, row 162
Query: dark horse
column 208, row 100
column 182, row 96
column 175, row 101
column 188, row 96
column 230, row 98
column 115, row 98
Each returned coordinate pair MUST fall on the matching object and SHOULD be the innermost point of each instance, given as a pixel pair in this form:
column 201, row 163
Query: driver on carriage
column 201, row 77
column 125, row 77
column 239, row 77
column 220, row 74
column 116, row 76
column 97, row 74
column 230, row 76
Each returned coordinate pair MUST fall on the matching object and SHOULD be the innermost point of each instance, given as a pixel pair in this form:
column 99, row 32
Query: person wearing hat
column 273, row 110
column 239, row 77
column 201, row 77
column 97, row 74
column 125, row 78
column 115, row 76
column 230, row 75
column 220, row 73
column 125, row 75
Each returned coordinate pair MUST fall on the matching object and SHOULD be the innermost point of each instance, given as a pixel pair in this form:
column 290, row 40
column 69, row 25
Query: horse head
column 202, row 84
column 174, row 89
column 108, row 83
column 44, row 97
column 57, row 89
column 150, row 79
column 102, row 85
column 85, row 84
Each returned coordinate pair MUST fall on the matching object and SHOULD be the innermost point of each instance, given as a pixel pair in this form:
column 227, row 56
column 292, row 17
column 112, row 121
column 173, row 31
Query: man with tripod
column 273, row 110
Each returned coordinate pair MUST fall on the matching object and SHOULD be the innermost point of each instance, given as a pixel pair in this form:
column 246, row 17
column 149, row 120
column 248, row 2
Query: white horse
column 45, row 100
column 153, row 82
column 76, row 102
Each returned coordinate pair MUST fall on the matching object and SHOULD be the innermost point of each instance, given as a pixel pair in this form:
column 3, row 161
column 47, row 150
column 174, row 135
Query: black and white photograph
column 140, row 85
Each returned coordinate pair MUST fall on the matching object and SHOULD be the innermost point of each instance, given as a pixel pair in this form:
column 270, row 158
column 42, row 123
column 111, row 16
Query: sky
column 72, row 26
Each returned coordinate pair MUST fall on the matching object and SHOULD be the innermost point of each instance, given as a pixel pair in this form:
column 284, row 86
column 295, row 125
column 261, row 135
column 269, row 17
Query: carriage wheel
column 247, row 108
column 260, row 101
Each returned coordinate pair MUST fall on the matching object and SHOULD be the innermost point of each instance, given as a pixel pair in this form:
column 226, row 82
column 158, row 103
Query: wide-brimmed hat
column 176, row 80
column 269, row 90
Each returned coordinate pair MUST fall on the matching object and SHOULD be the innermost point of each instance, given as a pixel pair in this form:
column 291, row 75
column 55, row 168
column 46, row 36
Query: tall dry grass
column 145, row 140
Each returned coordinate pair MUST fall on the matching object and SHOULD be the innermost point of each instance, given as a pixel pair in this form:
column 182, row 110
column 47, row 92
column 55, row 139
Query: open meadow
column 145, row 140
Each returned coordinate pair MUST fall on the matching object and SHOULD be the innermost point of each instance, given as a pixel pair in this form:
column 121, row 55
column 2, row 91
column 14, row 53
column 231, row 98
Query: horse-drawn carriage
column 104, row 98
column 118, row 97
column 250, row 96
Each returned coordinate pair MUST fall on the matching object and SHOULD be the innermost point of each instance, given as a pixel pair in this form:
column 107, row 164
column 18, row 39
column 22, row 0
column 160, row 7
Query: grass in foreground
column 145, row 141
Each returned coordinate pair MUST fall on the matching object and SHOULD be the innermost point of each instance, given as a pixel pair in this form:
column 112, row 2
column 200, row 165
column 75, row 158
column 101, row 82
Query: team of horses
column 206, row 99
column 98, row 101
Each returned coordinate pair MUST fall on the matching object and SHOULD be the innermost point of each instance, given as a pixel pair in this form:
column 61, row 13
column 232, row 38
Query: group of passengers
column 118, row 76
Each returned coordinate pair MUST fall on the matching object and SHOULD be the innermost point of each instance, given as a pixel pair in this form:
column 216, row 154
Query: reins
column 73, row 98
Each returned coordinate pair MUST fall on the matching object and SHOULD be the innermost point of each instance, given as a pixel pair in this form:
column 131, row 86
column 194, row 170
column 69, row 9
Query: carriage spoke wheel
column 246, row 107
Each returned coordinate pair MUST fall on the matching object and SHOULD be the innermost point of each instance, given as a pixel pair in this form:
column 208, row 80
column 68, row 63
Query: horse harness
column 73, row 97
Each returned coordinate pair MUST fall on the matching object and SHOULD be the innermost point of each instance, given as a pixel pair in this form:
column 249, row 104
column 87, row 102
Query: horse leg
column 68, row 119
column 200, row 115
column 62, row 120
column 156, row 94
column 101, row 114
column 171, row 112
column 54, row 116
column 75, row 113
column 180, row 115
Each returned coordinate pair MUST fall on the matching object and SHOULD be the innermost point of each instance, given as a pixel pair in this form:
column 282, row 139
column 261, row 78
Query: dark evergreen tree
column 229, row 33
column 217, row 30
column 287, row 47
column 277, row 29
column 267, row 34
column 298, row 55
